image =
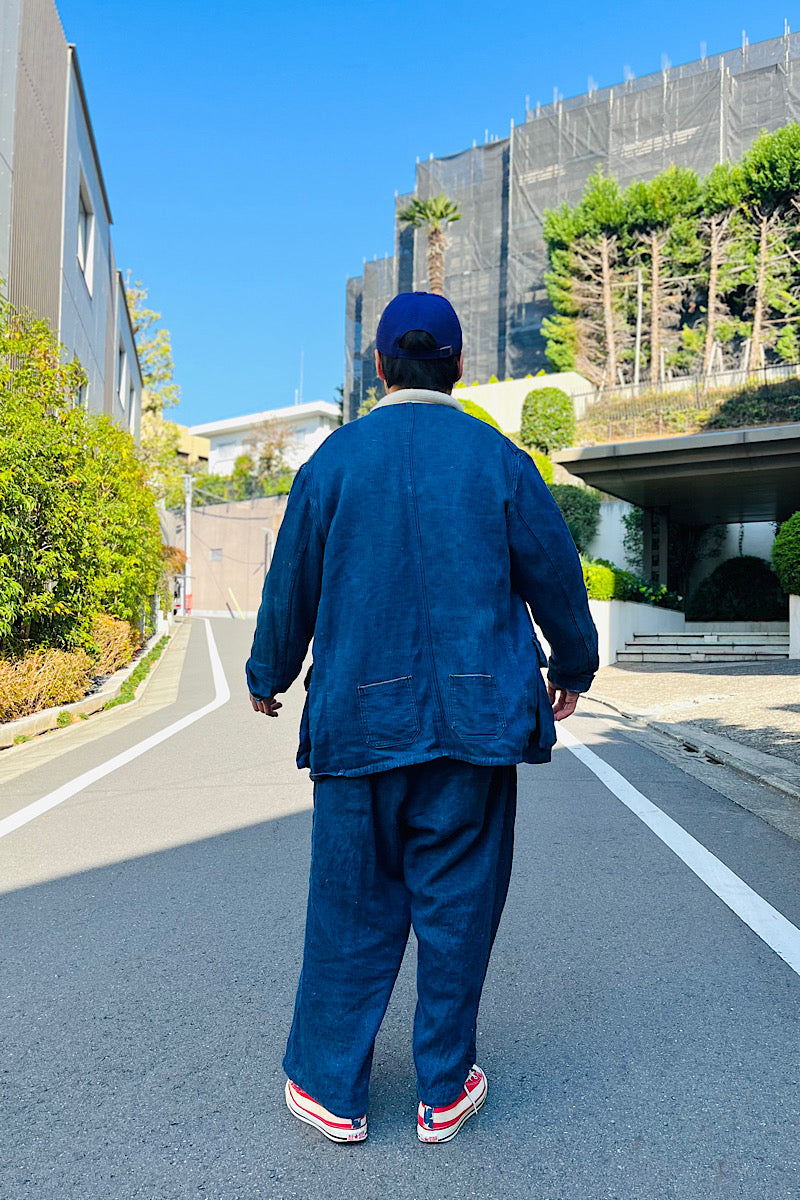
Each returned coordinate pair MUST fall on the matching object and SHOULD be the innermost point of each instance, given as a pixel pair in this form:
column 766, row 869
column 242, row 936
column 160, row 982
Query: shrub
column 42, row 680
column 543, row 464
column 605, row 581
column 739, row 589
column 786, row 555
column 115, row 642
column 475, row 410
column 580, row 508
column 548, row 420
column 599, row 580
column 79, row 531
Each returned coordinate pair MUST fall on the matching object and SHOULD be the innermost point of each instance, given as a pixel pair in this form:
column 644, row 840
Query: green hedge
column 475, row 410
column 605, row 581
column 739, row 589
column 786, row 555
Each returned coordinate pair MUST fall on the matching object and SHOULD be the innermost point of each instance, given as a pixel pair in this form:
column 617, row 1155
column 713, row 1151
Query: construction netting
column 693, row 115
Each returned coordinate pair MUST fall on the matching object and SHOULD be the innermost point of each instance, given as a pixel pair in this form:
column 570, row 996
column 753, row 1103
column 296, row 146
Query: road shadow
column 146, row 1006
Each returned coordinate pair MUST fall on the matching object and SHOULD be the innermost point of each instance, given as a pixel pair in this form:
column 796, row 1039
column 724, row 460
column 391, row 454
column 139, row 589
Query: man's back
column 425, row 532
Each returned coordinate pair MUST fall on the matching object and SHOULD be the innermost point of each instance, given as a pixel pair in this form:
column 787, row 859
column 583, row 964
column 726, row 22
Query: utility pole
column 187, row 521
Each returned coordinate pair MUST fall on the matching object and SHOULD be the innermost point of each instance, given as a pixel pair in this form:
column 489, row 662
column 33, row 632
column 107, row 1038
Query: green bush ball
column 548, row 420
column 786, row 555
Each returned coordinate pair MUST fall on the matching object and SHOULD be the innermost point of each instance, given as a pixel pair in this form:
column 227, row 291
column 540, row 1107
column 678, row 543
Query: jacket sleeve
column 290, row 596
column 546, row 572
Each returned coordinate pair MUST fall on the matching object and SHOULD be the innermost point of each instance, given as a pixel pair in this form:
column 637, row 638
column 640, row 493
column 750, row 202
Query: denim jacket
column 415, row 541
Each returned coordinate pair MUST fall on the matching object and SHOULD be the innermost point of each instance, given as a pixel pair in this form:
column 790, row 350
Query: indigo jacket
column 415, row 541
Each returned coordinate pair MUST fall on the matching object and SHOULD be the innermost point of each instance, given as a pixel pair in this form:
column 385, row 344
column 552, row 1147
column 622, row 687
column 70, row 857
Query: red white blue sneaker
column 338, row 1129
column 441, row 1124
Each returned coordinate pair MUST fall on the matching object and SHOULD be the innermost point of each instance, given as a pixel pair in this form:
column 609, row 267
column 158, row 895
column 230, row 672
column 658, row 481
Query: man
column 413, row 543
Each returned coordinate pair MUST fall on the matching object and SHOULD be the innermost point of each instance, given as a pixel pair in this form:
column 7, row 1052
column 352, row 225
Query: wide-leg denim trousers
column 428, row 846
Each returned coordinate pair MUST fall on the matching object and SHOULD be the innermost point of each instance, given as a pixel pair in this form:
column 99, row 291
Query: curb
column 770, row 769
column 47, row 719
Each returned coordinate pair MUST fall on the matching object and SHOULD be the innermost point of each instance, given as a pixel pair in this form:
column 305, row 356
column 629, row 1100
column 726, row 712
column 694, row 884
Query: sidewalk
column 746, row 715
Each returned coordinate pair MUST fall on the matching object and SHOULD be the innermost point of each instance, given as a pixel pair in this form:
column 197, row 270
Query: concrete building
column 693, row 115
column 56, row 254
column 305, row 427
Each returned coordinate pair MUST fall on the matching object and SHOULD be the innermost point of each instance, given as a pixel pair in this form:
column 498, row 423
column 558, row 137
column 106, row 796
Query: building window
column 85, row 234
column 82, row 398
column 122, row 370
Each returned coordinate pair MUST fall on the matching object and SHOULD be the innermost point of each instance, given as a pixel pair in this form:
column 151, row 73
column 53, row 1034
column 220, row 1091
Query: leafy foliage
column 605, row 581
column 154, row 347
column 739, row 589
column 580, row 508
column 79, row 532
column 475, row 410
column 548, row 420
column 786, row 555
column 710, row 267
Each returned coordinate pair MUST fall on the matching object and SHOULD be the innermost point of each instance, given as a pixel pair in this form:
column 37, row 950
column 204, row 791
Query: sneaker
column 441, row 1124
column 338, row 1129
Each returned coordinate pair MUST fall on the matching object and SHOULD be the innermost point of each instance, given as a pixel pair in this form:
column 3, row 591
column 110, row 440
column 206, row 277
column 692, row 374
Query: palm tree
column 434, row 215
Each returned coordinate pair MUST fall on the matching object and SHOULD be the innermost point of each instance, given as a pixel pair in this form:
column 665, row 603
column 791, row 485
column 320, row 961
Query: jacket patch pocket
column 389, row 714
column 476, row 711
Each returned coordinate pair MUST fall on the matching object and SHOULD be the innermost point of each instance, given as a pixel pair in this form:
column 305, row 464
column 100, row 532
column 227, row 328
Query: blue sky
column 251, row 151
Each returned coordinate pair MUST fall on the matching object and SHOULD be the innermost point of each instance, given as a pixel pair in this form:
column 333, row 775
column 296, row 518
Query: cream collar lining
column 418, row 396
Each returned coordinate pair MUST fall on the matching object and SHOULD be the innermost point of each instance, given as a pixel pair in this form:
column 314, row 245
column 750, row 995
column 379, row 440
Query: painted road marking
column 221, row 696
column 764, row 920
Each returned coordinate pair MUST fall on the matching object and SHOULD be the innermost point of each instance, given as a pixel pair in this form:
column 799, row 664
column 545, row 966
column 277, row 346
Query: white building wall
column 306, row 428
column 86, row 298
column 9, row 41
column 126, row 407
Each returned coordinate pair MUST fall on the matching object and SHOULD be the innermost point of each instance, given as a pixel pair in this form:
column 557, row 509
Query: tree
column 154, row 348
column 770, row 176
column 586, row 249
column 663, row 215
column 434, row 215
column 159, row 437
column 722, row 235
column 79, row 532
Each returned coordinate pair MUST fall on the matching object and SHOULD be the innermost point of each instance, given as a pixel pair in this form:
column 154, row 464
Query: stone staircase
column 704, row 647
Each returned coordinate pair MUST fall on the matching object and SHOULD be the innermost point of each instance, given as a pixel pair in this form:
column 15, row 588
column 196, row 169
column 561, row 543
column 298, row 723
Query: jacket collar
column 418, row 396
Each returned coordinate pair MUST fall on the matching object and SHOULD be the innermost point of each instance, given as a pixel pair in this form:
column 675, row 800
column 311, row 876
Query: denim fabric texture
column 430, row 846
column 414, row 543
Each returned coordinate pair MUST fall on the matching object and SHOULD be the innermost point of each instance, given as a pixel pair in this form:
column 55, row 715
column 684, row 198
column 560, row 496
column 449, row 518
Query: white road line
column 31, row 811
column 770, row 925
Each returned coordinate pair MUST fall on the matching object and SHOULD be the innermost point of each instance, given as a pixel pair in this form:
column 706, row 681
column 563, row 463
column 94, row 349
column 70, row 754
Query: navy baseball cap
column 419, row 310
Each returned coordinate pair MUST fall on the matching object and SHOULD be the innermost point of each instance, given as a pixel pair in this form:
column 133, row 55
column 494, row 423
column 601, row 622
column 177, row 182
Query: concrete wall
column 794, row 627
column 618, row 620
column 504, row 400
column 231, row 550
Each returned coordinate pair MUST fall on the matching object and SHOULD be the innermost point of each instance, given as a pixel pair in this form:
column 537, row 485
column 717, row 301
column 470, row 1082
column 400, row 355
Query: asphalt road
column 641, row 1041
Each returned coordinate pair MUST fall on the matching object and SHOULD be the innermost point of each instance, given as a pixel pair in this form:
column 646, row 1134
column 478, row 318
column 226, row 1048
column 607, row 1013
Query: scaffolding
column 693, row 115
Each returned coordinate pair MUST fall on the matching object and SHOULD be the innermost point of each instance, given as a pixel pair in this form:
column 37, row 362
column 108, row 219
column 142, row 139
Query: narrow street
column 640, row 1027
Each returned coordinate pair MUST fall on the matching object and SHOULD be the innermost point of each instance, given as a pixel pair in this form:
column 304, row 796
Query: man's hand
column 267, row 705
column 563, row 702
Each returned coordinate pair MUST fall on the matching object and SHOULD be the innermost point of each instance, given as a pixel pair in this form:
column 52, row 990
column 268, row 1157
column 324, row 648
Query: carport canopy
column 736, row 475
